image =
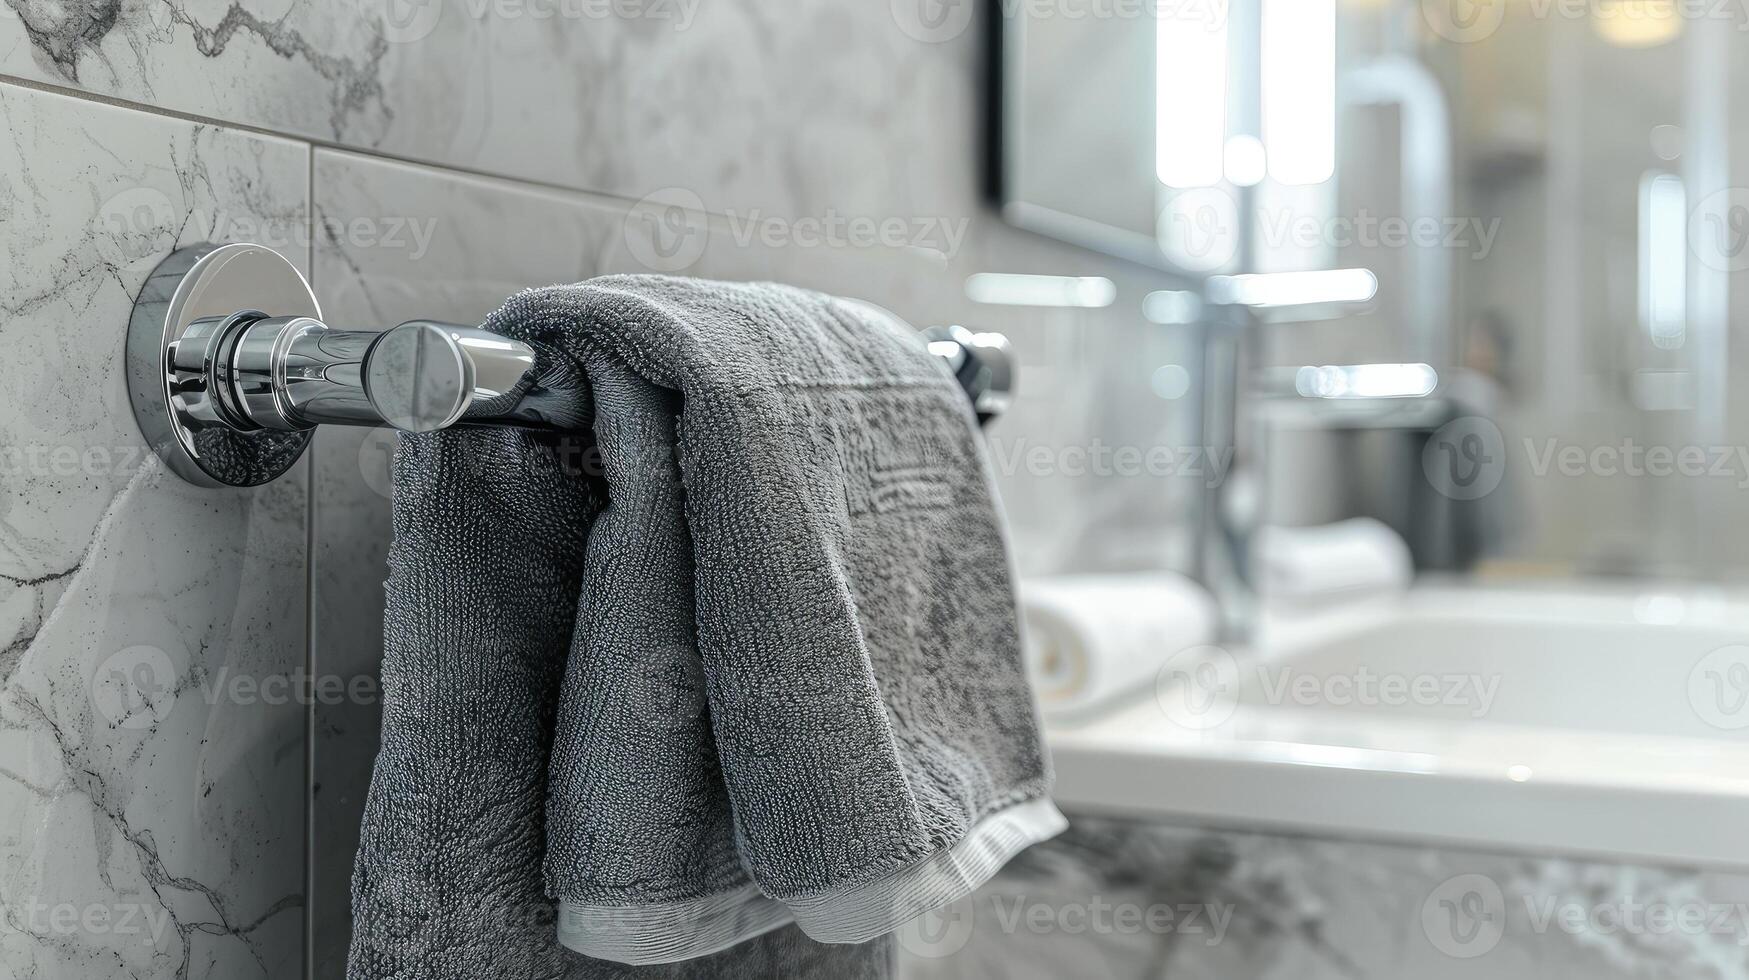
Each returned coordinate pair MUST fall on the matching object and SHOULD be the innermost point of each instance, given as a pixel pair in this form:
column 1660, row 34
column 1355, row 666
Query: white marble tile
column 151, row 815
column 307, row 69
column 1124, row 899
column 737, row 101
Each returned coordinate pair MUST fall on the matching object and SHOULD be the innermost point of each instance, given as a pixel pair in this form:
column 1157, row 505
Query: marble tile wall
column 427, row 159
column 151, row 788
column 794, row 107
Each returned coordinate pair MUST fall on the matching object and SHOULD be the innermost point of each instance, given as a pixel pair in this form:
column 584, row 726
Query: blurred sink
column 1591, row 721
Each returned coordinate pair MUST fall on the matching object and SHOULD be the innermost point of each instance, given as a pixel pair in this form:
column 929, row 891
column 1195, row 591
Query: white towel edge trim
column 864, row 912
column 647, row 935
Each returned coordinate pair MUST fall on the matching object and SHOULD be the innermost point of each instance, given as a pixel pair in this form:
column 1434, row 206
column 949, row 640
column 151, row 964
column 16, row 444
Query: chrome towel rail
column 230, row 368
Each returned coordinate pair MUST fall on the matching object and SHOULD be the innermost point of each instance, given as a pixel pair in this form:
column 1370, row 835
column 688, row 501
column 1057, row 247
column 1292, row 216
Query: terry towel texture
column 744, row 653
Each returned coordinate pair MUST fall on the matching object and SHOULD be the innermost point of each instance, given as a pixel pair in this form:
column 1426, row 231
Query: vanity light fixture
column 1366, row 381
column 1008, row 289
column 1190, row 95
column 1298, row 65
column 1273, row 289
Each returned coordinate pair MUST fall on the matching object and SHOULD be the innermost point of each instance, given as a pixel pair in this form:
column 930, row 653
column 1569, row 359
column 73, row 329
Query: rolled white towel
column 1091, row 637
column 1356, row 557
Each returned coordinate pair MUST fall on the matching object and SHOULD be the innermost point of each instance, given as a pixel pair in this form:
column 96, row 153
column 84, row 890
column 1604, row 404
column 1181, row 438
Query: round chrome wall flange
column 184, row 316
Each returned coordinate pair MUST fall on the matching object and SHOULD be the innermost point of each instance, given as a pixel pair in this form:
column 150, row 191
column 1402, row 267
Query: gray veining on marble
column 151, row 814
column 304, row 69
column 1124, row 899
column 736, row 101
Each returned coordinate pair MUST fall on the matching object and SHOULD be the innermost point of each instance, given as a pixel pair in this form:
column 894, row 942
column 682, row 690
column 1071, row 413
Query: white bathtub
column 1617, row 726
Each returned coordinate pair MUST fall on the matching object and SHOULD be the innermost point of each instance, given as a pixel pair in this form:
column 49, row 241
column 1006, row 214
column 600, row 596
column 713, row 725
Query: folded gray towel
column 748, row 658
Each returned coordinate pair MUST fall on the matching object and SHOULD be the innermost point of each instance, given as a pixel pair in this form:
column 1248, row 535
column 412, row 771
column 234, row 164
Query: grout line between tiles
column 311, row 515
column 317, row 143
column 719, row 220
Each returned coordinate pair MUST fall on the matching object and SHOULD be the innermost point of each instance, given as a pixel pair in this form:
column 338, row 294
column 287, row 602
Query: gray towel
column 743, row 659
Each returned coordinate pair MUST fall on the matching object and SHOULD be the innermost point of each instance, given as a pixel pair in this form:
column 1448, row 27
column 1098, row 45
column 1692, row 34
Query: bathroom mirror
column 1151, row 129
column 1534, row 208
column 1146, row 128
column 1077, row 134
